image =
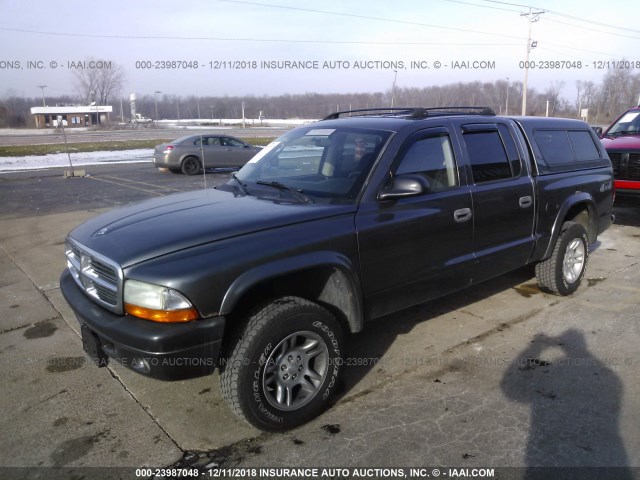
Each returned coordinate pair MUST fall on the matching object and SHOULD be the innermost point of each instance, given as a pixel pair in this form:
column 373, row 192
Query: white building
column 71, row 115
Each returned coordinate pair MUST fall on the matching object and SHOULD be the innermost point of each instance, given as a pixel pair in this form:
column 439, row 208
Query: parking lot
column 497, row 376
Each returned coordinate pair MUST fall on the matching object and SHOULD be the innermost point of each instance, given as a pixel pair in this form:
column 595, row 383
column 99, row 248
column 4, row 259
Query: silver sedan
column 219, row 151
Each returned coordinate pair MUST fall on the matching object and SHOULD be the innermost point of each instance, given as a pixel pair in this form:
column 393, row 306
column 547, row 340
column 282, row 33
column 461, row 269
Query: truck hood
column 156, row 227
column 624, row 142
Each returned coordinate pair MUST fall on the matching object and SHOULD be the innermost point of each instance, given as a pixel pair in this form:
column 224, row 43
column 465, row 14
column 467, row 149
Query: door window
column 207, row 141
column 488, row 157
column 231, row 142
column 431, row 157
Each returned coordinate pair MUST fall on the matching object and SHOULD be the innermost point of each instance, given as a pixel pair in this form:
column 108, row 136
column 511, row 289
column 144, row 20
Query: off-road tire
column 562, row 273
column 271, row 351
column 191, row 166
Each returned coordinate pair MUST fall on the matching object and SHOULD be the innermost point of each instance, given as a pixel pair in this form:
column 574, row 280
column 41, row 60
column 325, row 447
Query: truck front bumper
column 627, row 188
column 166, row 351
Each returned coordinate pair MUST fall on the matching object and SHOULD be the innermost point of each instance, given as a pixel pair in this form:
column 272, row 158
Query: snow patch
column 37, row 162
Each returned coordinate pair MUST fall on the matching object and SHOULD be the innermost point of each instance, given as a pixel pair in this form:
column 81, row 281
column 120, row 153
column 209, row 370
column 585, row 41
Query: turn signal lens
column 165, row 316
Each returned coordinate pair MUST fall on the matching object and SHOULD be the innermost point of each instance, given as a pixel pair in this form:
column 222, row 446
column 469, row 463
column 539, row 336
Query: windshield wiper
column 241, row 186
column 623, row 132
column 297, row 193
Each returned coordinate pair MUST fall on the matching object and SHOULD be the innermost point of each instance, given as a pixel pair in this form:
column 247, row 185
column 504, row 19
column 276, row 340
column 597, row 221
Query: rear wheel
column 285, row 366
column 191, row 166
column 562, row 273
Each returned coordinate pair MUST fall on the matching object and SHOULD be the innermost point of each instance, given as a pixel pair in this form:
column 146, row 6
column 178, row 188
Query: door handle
column 526, row 202
column 462, row 215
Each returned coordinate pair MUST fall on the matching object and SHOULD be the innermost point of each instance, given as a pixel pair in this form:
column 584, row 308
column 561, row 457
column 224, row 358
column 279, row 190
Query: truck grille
column 99, row 277
column 626, row 166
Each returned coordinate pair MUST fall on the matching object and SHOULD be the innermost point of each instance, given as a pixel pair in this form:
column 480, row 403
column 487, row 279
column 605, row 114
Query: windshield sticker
column 263, row 152
column 629, row 117
column 320, row 132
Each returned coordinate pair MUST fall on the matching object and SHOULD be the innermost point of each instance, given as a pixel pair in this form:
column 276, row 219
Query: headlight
column 157, row 303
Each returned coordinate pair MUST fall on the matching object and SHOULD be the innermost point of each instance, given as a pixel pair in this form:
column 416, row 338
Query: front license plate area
column 91, row 345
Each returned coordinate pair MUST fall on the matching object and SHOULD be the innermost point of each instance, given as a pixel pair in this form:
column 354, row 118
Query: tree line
column 618, row 90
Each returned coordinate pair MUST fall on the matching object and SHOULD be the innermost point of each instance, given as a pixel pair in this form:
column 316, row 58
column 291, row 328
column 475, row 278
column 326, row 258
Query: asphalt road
column 45, row 192
column 52, row 136
column 501, row 375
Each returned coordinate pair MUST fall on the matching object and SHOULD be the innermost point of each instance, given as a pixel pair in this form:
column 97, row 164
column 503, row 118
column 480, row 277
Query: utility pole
column 156, row 102
column 533, row 17
column 393, row 89
column 42, row 87
column 506, row 104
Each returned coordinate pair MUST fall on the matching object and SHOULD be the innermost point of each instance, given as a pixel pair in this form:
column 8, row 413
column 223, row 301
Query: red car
column 622, row 141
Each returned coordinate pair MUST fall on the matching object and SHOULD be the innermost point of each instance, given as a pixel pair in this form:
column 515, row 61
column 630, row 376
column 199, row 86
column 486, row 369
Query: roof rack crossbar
column 412, row 112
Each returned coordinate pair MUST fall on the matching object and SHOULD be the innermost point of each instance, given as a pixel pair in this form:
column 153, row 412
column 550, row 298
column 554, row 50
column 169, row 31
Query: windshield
column 629, row 123
column 330, row 163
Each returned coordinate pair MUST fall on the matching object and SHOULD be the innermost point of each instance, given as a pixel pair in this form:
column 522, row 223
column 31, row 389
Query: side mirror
column 598, row 131
column 407, row 185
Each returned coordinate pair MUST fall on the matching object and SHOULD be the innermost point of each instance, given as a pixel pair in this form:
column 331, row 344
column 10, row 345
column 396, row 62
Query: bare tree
column 552, row 94
column 100, row 81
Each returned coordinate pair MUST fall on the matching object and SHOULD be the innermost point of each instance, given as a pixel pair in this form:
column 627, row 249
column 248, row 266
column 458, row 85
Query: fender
column 187, row 155
column 573, row 200
column 350, row 305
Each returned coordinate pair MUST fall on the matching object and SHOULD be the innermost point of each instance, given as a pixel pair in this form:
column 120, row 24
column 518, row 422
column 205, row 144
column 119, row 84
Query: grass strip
column 48, row 149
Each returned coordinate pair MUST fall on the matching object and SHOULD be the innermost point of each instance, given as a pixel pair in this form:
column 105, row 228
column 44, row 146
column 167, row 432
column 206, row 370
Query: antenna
column 204, row 170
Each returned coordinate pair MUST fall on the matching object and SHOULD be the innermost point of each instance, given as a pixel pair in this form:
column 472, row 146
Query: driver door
column 419, row 247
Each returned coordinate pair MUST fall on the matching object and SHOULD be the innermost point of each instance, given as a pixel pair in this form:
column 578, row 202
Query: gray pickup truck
column 332, row 225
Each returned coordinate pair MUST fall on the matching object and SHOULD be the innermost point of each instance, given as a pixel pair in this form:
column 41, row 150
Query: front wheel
column 191, row 166
column 285, row 366
column 562, row 273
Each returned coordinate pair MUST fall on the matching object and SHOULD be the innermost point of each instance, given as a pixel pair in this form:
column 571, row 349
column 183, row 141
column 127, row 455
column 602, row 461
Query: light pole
column 156, row 102
column 533, row 17
column 506, row 105
column 393, row 89
column 93, row 95
column 42, row 87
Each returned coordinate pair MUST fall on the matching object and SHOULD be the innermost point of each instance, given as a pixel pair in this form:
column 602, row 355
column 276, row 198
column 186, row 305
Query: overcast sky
column 230, row 40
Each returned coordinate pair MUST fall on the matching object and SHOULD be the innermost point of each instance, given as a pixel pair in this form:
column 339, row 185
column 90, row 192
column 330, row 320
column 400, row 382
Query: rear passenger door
column 503, row 199
column 210, row 149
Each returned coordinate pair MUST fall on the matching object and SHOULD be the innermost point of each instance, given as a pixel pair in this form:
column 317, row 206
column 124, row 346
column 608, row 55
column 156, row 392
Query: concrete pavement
column 432, row 385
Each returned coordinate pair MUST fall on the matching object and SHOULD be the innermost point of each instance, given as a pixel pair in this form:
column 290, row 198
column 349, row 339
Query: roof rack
column 413, row 112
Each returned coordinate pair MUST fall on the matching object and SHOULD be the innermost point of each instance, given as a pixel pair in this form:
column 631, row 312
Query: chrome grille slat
column 106, row 295
column 105, row 271
column 99, row 277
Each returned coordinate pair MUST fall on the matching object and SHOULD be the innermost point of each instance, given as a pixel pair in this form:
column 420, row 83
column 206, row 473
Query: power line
column 169, row 37
column 483, row 6
column 592, row 30
column 559, row 22
column 367, row 17
column 615, row 27
column 605, row 54
column 512, row 4
column 572, row 17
